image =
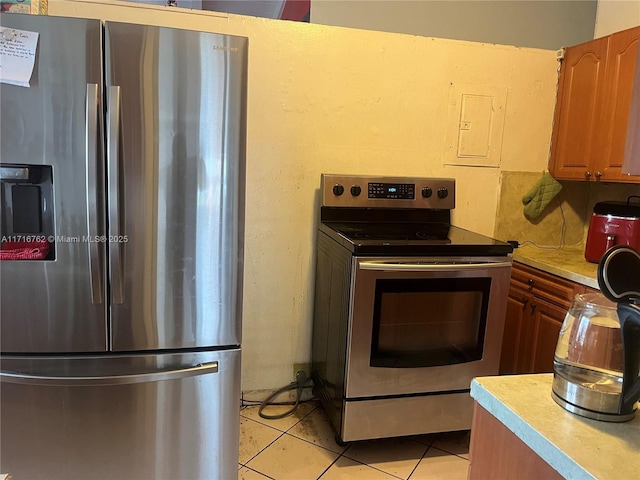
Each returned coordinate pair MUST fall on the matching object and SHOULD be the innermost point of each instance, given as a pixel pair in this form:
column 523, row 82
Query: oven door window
column 429, row 322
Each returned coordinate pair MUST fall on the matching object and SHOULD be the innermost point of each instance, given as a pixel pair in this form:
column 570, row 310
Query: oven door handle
column 429, row 267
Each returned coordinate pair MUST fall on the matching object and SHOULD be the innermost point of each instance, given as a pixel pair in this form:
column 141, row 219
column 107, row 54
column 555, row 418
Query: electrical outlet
column 305, row 367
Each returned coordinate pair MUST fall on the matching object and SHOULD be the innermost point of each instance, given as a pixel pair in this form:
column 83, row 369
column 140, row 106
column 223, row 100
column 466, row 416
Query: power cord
column 302, row 382
column 562, row 232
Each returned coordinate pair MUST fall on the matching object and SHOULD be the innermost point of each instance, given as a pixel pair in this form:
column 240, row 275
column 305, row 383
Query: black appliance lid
column 619, row 274
column 618, row 209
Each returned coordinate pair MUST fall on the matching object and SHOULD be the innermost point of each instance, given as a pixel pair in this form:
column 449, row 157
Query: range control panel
column 387, row 192
column 405, row 191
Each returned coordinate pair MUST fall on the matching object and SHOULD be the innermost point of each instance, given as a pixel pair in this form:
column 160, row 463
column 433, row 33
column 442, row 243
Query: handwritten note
column 17, row 55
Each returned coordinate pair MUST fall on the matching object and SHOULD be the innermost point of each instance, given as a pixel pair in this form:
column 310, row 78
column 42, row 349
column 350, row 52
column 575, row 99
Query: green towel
column 540, row 195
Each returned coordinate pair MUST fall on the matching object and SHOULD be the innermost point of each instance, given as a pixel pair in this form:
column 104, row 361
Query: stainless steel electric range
column 408, row 308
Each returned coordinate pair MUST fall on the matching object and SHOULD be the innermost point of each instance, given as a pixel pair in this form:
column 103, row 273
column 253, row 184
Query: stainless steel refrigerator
column 122, row 175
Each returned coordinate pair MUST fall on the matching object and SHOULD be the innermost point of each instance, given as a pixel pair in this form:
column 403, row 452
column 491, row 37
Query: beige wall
column 616, row 15
column 330, row 99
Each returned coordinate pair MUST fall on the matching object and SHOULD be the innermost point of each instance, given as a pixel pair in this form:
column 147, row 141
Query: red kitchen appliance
column 613, row 223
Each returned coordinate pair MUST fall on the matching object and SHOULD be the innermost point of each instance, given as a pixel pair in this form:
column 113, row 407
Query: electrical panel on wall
column 475, row 123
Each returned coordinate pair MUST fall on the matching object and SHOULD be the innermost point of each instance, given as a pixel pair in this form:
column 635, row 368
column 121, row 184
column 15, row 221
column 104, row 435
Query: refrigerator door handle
column 116, row 258
column 93, row 204
column 76, row 381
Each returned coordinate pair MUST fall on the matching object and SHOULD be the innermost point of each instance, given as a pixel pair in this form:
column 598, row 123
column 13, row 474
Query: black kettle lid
column 619, row 274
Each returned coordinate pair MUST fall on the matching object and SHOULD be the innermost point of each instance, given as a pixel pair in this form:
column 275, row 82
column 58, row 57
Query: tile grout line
column 449, row 453
column 356, row 461
column 267, row 446
column 258, row 472
column 446, row 451
column 421, row 458
column 428, row 446
column 314, row 444
column 286, row 432
column 330, row 465
column 282, row 432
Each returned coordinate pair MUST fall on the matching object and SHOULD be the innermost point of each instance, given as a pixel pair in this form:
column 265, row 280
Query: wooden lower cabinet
column 496, row 452
column 512, row 356
column 547, row 321
column 537, row 305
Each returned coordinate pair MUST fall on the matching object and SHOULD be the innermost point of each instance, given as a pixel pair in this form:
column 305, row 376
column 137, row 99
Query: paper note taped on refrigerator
column 17, row 56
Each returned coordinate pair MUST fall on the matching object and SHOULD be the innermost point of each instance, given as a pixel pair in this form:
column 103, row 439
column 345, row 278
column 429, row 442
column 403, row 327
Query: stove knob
column 427, row 192
column 355, row 190
column 338, row 189
column 443, row 192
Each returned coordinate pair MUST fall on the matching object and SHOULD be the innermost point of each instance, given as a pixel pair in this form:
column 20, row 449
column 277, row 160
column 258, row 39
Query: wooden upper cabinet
column 620, row 70
column 592, row 109
column 575, row 127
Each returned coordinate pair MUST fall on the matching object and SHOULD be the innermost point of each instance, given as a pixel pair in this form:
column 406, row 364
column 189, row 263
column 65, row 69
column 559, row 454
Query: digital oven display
column 402, row 191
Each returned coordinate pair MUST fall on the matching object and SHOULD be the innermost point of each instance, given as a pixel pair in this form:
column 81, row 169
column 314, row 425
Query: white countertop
column 576, row 447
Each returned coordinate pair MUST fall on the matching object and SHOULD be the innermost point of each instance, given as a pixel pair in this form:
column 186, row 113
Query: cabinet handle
column 531, row 282
column 525, row 300
column 587, row 175
column 533, row 306
column 598, row 174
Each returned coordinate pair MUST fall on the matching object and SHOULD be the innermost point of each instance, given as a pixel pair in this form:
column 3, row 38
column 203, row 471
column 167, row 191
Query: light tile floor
column 302, row 447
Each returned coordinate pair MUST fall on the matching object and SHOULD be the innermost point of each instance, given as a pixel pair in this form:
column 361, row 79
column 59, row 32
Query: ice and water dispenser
column 26, row 212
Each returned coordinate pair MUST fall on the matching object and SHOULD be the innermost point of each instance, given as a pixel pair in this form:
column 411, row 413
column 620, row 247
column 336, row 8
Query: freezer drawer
column 173, row 416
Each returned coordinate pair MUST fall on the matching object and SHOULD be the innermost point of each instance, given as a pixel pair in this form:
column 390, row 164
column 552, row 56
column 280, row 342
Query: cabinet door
column 550, row 287
column 620, row 70
column 537, row 304
column 513, row 329
column 546, row 320
column 575, row 127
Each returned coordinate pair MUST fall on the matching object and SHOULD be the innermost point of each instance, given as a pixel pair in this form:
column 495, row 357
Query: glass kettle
column 597, row 358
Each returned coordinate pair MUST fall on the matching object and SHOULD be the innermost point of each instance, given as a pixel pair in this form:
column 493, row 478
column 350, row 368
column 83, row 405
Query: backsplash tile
column 546, row 230
column 577, row 200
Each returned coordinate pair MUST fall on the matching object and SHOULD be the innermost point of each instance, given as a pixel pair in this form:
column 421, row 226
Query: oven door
column 424, row 325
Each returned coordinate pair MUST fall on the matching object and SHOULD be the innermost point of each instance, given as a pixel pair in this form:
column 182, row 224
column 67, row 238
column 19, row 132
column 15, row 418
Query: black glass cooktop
column 412, row 239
